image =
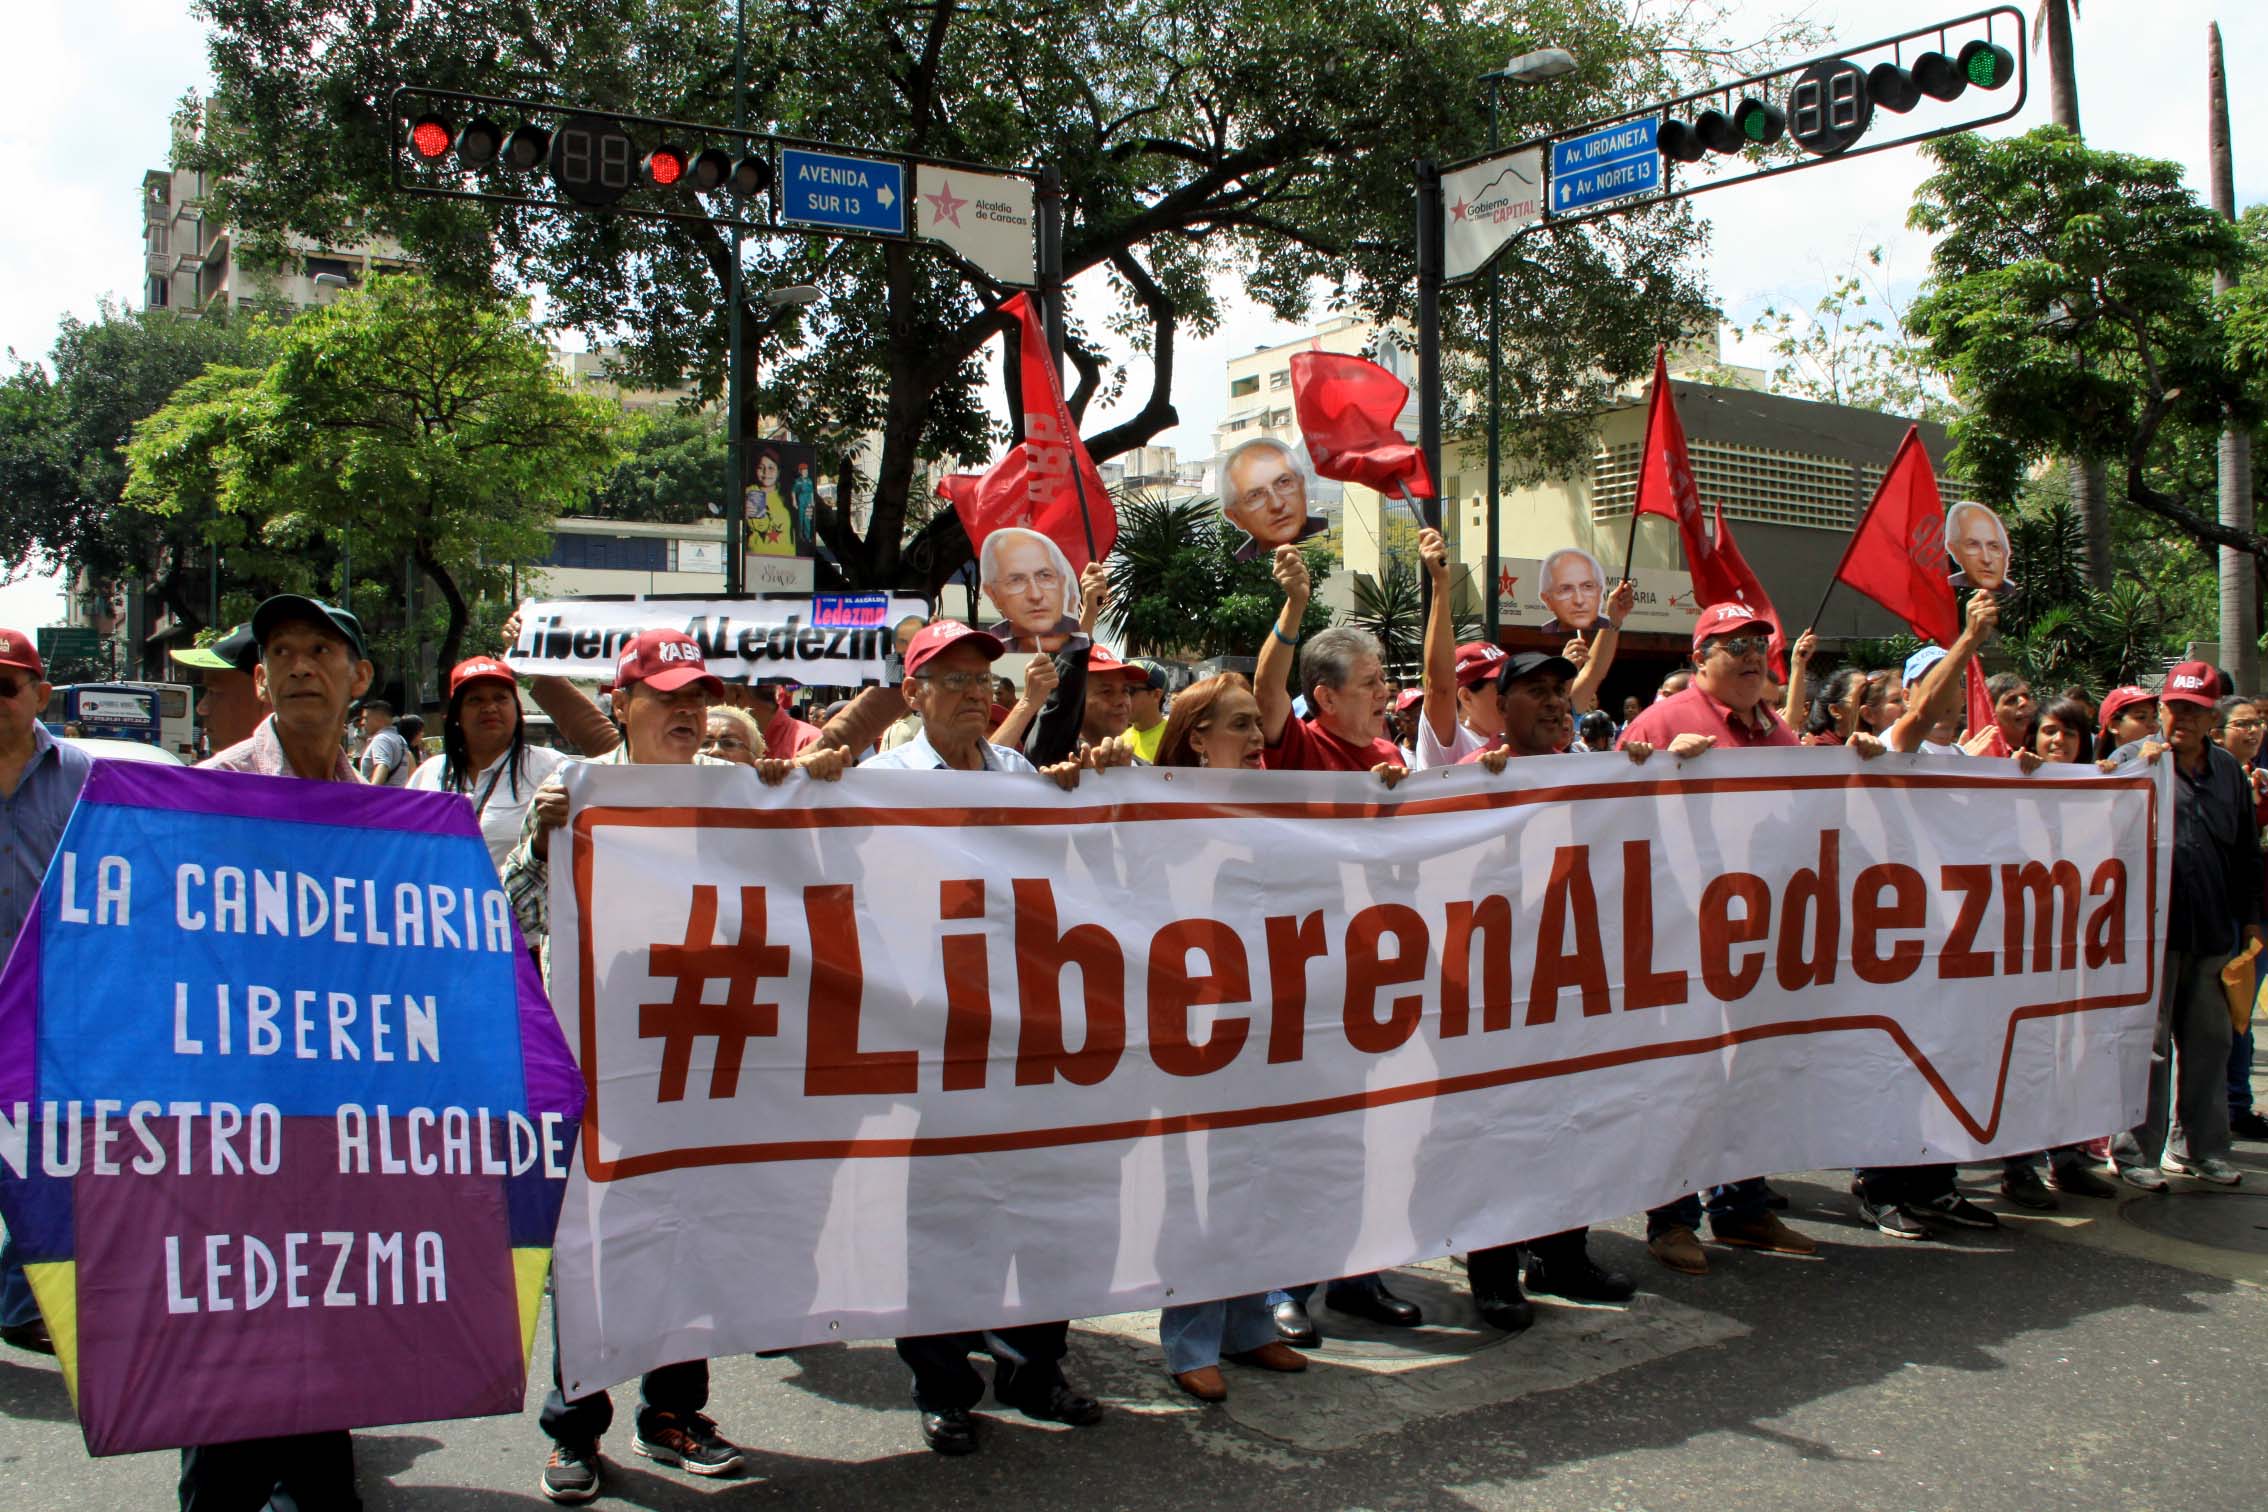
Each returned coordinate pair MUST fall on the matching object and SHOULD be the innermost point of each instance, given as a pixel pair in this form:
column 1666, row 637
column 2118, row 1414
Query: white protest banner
column 842, row 1085
column 836, row 639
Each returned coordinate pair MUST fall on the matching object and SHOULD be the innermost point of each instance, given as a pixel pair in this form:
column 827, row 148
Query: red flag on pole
column 1897, row 554
column 1040, row 482
column 1347, row 407
column 1729, row 578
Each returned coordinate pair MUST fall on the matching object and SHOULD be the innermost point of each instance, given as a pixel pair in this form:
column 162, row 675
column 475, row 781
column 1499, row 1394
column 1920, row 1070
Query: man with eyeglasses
column 949, row 683
column 1264, row 494
column 1032, row 588
column 40, row 778
column 1723, row 706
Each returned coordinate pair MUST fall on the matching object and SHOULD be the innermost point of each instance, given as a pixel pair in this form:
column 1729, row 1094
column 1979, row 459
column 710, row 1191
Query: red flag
column 1897, row 554
column 1347, row 407
column 1665, row 474
column 1981, row 718
column 1033, row 485
column 1731, row 579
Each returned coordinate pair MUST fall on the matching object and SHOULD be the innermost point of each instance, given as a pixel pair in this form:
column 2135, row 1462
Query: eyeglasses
column 2245, row 724
column 1745, row 645
column 724, row 743
column 956, row 682
column 1046, row 580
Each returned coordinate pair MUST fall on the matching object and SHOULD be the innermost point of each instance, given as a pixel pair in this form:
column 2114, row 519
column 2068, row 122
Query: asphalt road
column 2108, row 1356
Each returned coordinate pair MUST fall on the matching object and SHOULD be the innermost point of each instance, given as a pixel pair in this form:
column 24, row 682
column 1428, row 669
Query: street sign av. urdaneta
column 1604, row 165
column 1487, row 204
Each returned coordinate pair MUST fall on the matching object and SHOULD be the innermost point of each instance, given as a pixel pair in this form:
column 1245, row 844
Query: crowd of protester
column 282, row 690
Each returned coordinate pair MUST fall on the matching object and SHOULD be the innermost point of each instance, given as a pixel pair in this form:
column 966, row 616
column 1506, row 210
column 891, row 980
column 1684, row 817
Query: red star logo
column 1457, row 211
column 1505, row 582
column 942, row 205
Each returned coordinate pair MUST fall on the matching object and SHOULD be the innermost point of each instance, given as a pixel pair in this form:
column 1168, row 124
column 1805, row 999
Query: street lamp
column 1535, row 67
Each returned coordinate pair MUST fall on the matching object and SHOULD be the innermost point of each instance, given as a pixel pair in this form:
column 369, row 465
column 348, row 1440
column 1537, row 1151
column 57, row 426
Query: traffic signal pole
column 736, row 449
column 1429, row 233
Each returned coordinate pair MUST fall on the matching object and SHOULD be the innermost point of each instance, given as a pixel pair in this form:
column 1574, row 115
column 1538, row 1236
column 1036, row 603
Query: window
column 337, row 267
column 1239, row 387
column 1280, row 378
column 159, row 294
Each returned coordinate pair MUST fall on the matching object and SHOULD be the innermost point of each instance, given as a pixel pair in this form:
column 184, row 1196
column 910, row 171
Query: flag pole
column 1630, row 547
column 1410, row 499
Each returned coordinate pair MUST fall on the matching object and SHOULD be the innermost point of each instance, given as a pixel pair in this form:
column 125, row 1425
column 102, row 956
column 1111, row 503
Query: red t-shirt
column 1306, row 746
column 788, row 737
column 1694, row 712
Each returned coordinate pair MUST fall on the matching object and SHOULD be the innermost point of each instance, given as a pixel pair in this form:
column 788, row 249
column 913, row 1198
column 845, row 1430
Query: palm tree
column 1177, row 589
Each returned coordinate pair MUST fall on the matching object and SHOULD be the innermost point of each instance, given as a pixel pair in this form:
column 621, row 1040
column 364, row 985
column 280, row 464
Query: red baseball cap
column 20, row 650
column 1723, row 619
column 931, row 639
column 2193, row 682
column 664, row 660
column 1104, row 662
column 2120, row 699
column 1477, row 662
column 480, row 669
column 1409, row 698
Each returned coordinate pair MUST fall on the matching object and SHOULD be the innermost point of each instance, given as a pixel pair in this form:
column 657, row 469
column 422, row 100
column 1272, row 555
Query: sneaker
column 2146, row 1178
column 2212, row 1168
column 571, row 1474
column 2246, row 1124
column 690, row 1442
column 1678, row 1249
column 1765, row 1231
column 1955, row 1211
column 2022, row 1185
column 1890, row 1218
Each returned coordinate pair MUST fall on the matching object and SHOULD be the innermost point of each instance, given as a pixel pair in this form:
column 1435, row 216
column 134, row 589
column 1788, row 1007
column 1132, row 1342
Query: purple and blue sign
column 285, row 1117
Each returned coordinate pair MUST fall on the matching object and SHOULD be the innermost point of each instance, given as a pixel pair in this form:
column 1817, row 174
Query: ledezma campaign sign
column 285, row 1117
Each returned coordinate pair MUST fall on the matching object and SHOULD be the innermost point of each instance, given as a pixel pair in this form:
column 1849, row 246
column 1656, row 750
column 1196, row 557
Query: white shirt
column 918, row 755
column 504, row 812
column 1432, row 753
column 1941, row 748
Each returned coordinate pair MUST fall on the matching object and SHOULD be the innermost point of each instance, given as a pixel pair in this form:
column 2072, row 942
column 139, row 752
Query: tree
column 429, row 424
column 672, row 469
column 1843, row 351
column 2070, row 302
column 63, row 433
column 1177, row 589
column 1267, row 140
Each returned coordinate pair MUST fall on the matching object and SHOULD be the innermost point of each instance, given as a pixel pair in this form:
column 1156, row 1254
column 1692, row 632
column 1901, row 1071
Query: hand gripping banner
column 285, row 1120
column 919, row 1052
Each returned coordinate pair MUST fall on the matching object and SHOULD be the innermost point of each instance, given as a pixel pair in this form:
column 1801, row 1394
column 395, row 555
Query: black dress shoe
column 1294, row 1326
column 1775, row 1199
column 949, row 1432
column 1586, row 1281
column 2247, row 1124
column 1056, row 1403
column 31, row 1336
column 1376, row 1303
column 1506, row 1314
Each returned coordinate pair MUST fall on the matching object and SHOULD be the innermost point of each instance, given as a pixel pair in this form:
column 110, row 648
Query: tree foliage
column 1177, row 589
column 2071, row 302
column 1851, row 348
column 1198, row 140
column 64, row 426
column 672, row 469
column 403, row 422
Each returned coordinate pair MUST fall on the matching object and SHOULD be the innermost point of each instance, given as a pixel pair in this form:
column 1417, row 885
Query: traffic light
column 664, row 167
column 526, row 148
column 1751, row 123
column 751, row 176
column 431, row 137
column 594, row 160
column 1987, row 65
column 479, row 144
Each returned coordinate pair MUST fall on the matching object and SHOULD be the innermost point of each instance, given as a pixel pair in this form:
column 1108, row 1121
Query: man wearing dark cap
column 228, row 702
column 1146, row 698
column 40, row 778
column 2214, row 910
column 311, row 668
column 1536, row 711
column 949, row 683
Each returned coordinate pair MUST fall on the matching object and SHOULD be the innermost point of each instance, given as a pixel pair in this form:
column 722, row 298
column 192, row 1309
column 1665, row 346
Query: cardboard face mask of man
column 1032, row 588
column 1572, row 585
column 1978, row 544
column 1264, row 494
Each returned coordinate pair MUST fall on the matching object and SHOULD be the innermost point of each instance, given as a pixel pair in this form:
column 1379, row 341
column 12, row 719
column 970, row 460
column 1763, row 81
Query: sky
column 92, row 84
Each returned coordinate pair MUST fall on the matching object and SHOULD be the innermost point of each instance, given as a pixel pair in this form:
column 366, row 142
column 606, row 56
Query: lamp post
column 1528, row 68
column 791, row 297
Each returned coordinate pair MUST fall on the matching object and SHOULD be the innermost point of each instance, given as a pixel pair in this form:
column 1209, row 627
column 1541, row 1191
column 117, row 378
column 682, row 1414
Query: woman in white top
column 485, row 754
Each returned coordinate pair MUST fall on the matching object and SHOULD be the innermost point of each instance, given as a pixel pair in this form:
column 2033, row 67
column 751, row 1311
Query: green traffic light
column 1987, row 65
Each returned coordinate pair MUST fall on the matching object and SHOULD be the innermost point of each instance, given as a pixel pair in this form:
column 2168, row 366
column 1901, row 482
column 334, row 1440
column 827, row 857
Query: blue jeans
column 1736, row 1200
column 2240, row 1074
column 16, row 1305
column 1199, row 1333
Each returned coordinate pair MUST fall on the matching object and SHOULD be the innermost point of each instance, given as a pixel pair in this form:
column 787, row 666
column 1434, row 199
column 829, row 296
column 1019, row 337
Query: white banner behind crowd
column 926, row 1051
column 833, row 639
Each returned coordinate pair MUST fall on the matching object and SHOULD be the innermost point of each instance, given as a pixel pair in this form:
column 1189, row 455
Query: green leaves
column 1176, row 588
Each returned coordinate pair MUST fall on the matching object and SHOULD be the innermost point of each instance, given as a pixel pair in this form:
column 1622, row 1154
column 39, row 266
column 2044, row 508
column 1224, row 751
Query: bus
column 159, row 714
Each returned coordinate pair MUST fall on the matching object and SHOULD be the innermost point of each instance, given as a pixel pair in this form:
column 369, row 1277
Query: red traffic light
column 664, row 167
column 431, row 137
